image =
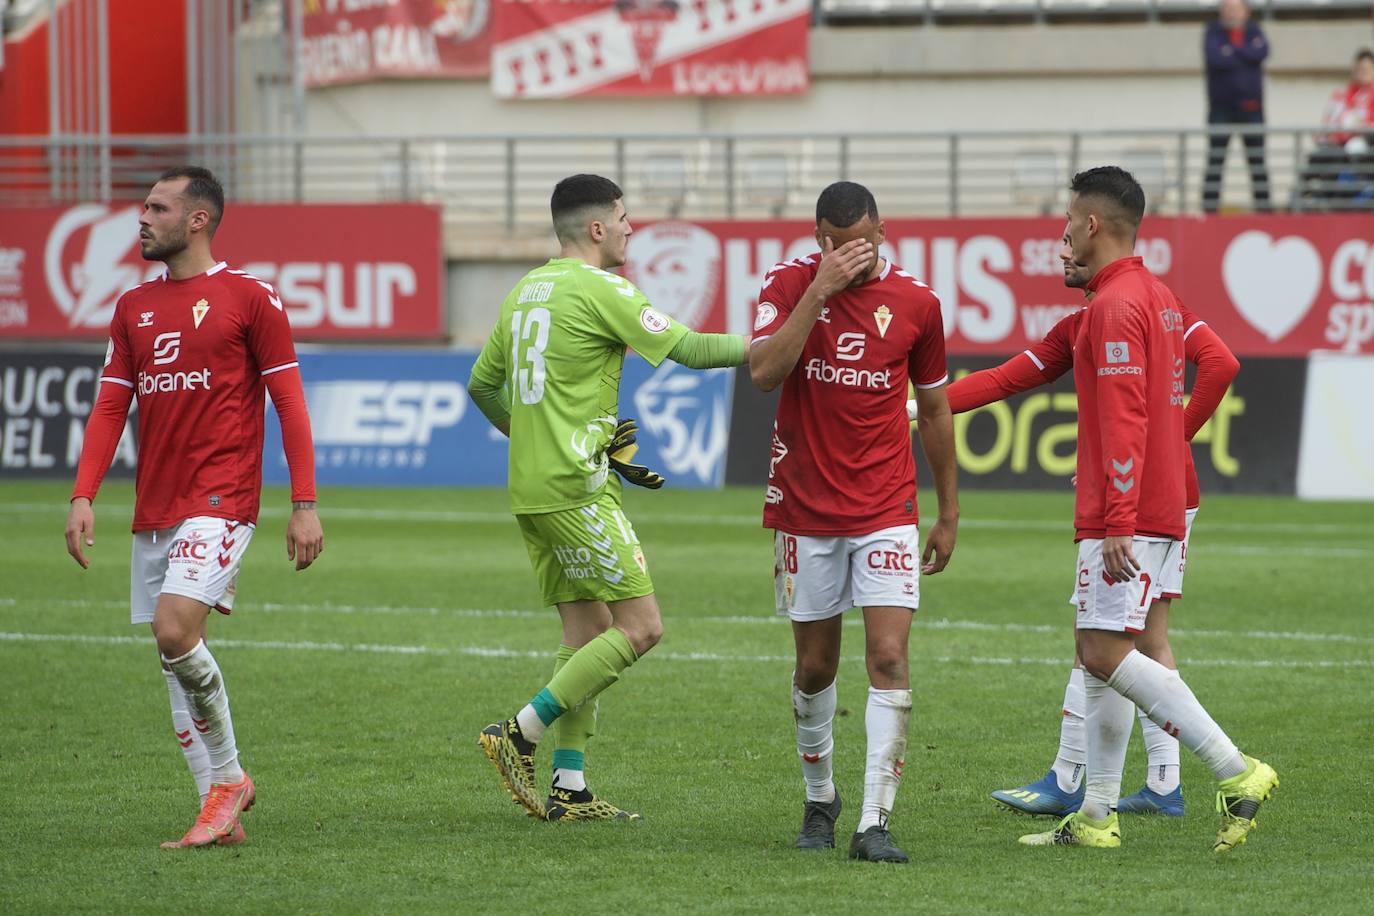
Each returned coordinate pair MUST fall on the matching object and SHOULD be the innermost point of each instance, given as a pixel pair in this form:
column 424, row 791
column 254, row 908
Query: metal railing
column 504, row 182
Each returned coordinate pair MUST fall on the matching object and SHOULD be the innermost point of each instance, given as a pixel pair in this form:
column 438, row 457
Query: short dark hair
column 574, row 196
column 1115, row 187
column 201, row 186
column 1362, row 54
column 844, row 203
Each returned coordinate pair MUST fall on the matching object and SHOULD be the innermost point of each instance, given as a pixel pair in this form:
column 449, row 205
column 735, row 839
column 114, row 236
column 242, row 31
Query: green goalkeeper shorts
column 586, row 554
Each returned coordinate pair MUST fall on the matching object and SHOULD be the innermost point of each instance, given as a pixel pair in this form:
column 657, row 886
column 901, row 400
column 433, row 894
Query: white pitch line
column 479, row 517
column 935, row 623
column 670, row 656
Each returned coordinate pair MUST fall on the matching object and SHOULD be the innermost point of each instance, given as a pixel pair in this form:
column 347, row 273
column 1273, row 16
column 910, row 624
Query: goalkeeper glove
column 621, row 450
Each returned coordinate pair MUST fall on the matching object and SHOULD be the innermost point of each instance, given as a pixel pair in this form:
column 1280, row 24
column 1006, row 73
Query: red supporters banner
column 557, row 48
column 343, row 271
column 1271, row 286
column 349, row 41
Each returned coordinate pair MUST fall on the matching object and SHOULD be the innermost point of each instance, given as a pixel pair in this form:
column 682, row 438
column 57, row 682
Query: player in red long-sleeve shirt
column 197, row 345
column 1060, row 790
column 1130, row 496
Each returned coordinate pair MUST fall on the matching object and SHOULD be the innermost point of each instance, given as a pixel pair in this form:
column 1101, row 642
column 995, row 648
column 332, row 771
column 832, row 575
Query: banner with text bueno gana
column 343, row 271
column 555, row 49
column 1269, row 285
column 349, row 42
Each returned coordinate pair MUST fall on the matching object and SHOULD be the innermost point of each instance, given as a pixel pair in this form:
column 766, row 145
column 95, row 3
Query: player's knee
column 1099, row 662
column 814, row 675
column 174, row 639
column 887, row 664
column 646, row 635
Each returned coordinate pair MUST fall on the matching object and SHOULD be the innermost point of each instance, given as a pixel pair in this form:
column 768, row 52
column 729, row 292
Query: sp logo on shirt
column 849, row 346
column 1118, row 351
column 166, row 348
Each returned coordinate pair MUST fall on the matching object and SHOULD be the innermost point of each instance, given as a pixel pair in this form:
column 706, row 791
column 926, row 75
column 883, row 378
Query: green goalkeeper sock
column 574, row 728
column 592, row 669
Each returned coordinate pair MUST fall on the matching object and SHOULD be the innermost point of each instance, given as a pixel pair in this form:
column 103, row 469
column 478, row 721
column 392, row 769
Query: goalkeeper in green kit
column 549, row 377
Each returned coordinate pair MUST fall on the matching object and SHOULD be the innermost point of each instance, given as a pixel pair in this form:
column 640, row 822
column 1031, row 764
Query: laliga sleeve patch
column 654, row 322
column 767, row 312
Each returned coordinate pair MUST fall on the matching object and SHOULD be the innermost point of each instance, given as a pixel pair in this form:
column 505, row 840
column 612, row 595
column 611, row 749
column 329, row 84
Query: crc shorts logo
column 90, row 258
column 678, row 267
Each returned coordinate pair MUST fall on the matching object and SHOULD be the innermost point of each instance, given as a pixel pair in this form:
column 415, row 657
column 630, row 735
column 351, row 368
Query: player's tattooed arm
column 772, row 359
column 304, row 534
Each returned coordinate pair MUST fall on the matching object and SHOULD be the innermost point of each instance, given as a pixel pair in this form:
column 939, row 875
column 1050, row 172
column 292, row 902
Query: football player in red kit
column 842, row 331
column 198, row 346
column 1130, row 499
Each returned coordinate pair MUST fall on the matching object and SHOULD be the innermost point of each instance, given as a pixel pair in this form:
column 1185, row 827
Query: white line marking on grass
column 459, row 516
column 936, row 623
column 671, row 656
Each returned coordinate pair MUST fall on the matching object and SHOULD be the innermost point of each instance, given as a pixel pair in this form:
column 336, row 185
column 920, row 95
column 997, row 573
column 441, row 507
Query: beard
column 172, row 244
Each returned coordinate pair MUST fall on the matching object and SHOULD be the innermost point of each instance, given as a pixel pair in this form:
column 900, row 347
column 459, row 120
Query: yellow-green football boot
column 1238, row 801
column 1078, row 830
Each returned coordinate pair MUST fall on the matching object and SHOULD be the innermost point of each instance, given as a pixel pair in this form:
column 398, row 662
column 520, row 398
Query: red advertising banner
column 554, row 48
column 342, row 271
column 349, row 41
column 1269, row 285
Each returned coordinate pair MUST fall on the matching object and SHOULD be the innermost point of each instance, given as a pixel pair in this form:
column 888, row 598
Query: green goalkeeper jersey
column 559, row 347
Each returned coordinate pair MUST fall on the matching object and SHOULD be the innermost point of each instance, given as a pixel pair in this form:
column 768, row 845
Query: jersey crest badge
column 198, row 311
column 883, row 317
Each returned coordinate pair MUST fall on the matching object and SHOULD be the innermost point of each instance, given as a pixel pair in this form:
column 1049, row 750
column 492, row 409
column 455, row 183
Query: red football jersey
column 841, row 462
column 1128, row 368
column 1052, row 356
column 195, row 352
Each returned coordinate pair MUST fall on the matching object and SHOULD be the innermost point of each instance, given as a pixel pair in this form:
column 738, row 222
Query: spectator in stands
column 1234, row 48
column 1340, row 171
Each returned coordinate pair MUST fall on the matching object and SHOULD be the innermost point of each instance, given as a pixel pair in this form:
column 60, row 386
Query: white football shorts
column 815, row 578
column 1104, row 604
column 1171, row 579
column 198, row 558
column 1170, row 584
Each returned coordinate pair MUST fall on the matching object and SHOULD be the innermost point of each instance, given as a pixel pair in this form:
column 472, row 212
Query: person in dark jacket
column 1235, row 48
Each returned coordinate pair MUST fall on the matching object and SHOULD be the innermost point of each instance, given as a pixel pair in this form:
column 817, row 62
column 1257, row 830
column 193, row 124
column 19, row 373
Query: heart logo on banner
column 1272, row 282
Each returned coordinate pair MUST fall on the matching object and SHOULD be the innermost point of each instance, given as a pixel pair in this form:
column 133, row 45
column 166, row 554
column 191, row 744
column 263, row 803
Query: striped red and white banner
column 554, row 48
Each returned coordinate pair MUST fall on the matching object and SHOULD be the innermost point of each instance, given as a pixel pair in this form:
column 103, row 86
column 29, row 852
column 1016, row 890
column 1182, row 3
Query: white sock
column 815, row 716
column 1161, row 748
column 192, row 745
column 1163, row 696
column 531, row 726
column 1072, row 758
column 571, row 780
column 208, row 703
column 1108, row 726
column 886, row 720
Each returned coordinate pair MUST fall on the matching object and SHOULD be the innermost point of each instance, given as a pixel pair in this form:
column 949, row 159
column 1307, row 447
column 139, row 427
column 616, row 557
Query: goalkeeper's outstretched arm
column 710, row 351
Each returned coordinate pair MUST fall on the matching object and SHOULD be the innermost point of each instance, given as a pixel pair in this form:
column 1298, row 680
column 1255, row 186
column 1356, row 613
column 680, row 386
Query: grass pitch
column 359, row 687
